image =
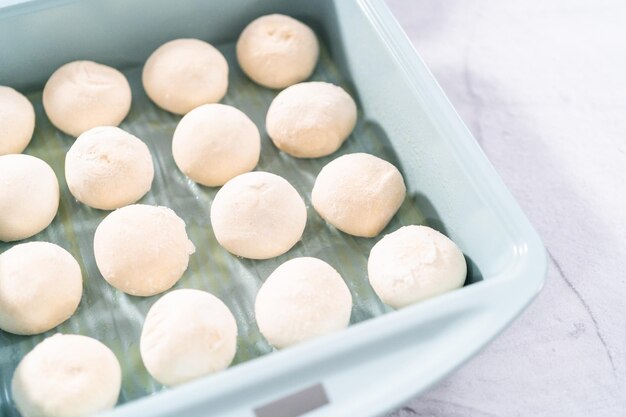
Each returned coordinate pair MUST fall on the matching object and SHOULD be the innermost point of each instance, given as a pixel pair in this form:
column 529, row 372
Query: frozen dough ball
column 17, row 121
column 40, row 287
column 302, row 299
column 214, row 143
column 310, row 120
column 358, row 193
column 414, row 263
column 187, row 334
column 142, row 250
column 107, row 168
column 183, row 74
column 67, row 375
column 277, row 51
column 29, row 196
column 84, row 94
column 258, row 215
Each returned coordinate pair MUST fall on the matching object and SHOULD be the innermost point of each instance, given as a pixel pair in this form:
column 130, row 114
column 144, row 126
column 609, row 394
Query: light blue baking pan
column 385, row 357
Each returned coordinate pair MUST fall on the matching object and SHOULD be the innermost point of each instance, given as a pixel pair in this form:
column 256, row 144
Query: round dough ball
column 107, row 168
column 187, row 334
column 277, row 51
column 40, row 287
column 258, row 215
column 84, row 94
column 29, row 196
column 310, row 120
column 302, row 299
column 67, row 375
column 358, row 193
column 185, row 73
column 142, row 250
column 214, row 143
column 414, row 263
column 17, row 118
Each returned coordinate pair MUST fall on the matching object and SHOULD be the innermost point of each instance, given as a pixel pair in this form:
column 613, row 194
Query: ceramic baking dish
column 385, row 356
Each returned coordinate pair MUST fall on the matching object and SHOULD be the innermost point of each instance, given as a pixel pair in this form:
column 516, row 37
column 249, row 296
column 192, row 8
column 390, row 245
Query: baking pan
column 385, row 356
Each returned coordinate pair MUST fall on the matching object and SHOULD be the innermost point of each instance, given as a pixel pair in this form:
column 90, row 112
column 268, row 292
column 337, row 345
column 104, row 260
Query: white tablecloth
column 542, row 85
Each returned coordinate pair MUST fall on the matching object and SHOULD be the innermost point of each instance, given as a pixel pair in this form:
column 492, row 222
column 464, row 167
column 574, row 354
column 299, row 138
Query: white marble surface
column 542, row 86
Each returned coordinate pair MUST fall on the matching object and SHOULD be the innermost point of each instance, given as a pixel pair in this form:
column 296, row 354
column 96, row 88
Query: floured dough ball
column 67, row 375
column 40, row 287
column 187, row 334
column 302, row 299
column 185, row 73
column 414, row 263
column 277, row 51
column 142, row 250
column 310, row 120
column 84, row 94
column 258, row 215
column 214, row 143
column 29, row 196
column 17, row 121
column 107, row 168
column 358, row 193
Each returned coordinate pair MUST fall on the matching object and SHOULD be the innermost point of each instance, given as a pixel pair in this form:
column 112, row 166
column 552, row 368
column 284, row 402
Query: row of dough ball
column 275, row 51
column 305, row 120
column 214, row 142
column 191, row 333
column 108, row 168
column 186, row 334
column 42, row 283
column 256, row 215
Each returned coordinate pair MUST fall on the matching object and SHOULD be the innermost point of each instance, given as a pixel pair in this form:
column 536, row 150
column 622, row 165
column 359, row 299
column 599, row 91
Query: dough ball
column 258, row 215
column 40, row 287
column 67, row 375
column 29, row 196
column 185, row 73
column 302, row 299
column 277, row 51
column 214, row 143
column 187, row 334
column 310, row 120
column 17, row 121
column 84, row 94
column 107, row 168
column 414, row 263
column 142, row 250
column 358, row 193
